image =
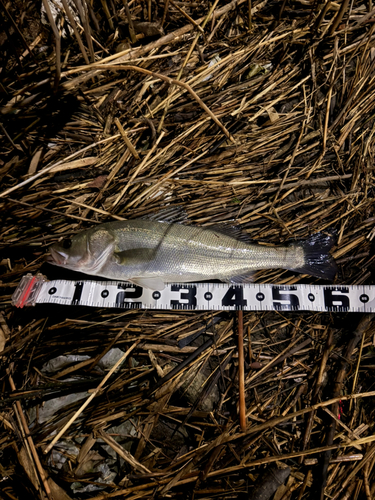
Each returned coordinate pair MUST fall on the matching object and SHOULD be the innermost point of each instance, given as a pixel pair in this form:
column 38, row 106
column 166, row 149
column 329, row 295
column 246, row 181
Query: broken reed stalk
column 249, row 13
column 83, row 13
column 29, row 440
column 75, row 29
column 57, row 42
column 190, row 19
column 133, row 37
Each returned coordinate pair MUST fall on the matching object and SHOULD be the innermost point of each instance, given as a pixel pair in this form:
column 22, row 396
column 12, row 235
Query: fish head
column 72, row 253
column 85, row 252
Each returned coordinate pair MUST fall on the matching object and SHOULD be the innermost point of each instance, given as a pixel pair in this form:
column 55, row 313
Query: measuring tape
column 196, row 296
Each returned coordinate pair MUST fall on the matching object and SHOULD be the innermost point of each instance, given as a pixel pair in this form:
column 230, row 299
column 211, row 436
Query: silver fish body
column 150, row 253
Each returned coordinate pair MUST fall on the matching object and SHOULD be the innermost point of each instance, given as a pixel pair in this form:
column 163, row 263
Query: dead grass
column 256, row 112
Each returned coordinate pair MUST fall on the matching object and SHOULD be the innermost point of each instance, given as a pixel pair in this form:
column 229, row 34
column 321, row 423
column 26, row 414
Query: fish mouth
column 49, row 259
column 56, row 257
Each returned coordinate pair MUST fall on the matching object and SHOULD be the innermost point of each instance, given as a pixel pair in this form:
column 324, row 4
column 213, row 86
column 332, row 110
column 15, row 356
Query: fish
column 151, row 253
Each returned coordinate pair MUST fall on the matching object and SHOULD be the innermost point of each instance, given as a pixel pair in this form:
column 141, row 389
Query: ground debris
column 258, row 114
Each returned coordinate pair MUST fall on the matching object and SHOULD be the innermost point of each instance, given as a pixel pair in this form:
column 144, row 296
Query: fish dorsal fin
column 176, row 214
column 231, row 230
column 135, row 256
column 151, row 283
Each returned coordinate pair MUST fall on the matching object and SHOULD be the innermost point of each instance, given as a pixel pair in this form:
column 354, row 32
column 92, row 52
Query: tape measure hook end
column 26, row 293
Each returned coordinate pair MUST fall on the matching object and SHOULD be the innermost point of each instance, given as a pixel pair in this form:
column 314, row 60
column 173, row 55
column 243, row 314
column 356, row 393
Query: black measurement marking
column 234, row 297
column 283, row 300
column 156, row 295
column 77, row 293
column 208, row 296
column 125, row 299
column 335, row 299
column 52, row 290
column 104, row 294
column 187, row 300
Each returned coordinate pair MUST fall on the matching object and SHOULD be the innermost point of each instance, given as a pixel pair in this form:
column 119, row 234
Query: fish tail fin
column 318, row 261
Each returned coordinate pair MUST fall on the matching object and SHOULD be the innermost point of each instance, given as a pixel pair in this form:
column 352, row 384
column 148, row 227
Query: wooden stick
column 241, row 373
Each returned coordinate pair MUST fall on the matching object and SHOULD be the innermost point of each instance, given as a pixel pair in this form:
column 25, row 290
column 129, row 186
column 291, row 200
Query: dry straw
column 259, row 114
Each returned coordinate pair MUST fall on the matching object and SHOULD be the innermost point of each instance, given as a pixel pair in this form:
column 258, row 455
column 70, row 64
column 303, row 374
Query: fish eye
column 67, row 243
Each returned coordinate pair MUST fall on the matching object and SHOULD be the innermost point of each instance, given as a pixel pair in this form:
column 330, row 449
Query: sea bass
column 150, row 253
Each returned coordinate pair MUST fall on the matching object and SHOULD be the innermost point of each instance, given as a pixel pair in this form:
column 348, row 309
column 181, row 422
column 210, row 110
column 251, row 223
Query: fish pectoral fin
column 134, row 256
column 151, row 283
column 241, row 278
